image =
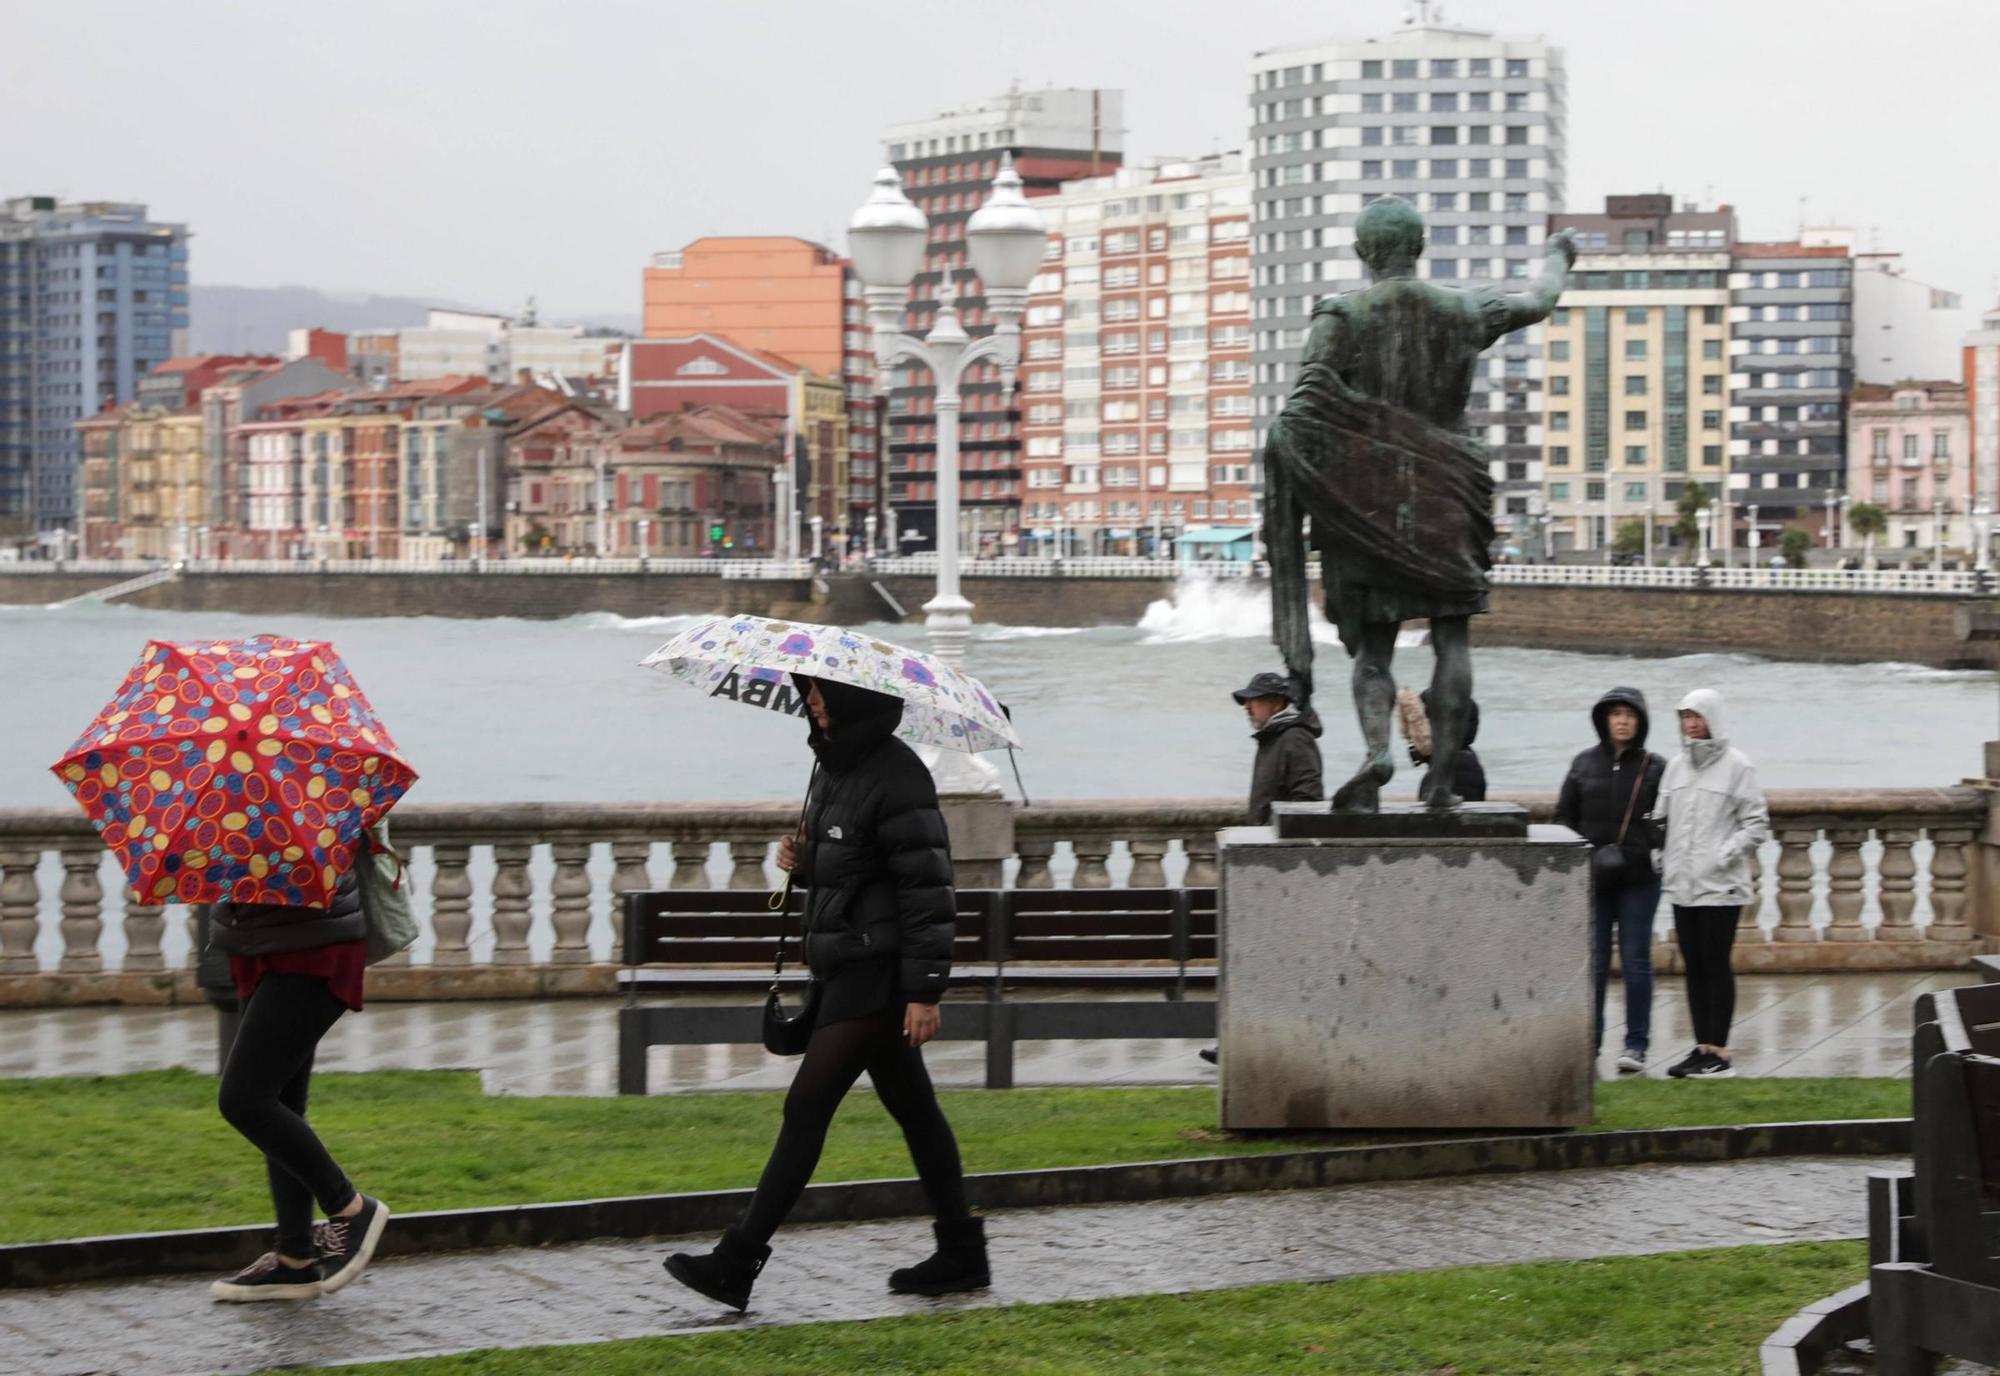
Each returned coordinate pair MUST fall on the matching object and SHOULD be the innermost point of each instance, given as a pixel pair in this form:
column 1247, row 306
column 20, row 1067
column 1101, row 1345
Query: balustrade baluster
column 1092, row 856
column 1845, row 873
column 1034, row 872
column 1795, row 876
column 690, row 865
column 145, row 924
column 570, row 902
column 630, row 872
column 1948, row 870
column 451, row 903
column 1753, row 914
column 746, row 859
column 1149, row 870
column 1898, row 896
column 82, row 908
column 1201, row 871
column 512, row 888
column 20, row 901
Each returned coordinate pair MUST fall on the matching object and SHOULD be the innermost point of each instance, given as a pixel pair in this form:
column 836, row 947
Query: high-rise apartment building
column 1467, row 126
column 947, row 164
column 1635, row 375
column 1135, row 370
column 93, row 295
column 788, row 297
column 1792, row 366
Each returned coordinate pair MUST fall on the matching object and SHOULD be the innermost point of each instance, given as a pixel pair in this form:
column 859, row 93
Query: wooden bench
column 1934, row 1233
column 682, row 940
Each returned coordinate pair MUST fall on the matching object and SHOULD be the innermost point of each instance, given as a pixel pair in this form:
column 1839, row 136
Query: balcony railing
column 522, row 884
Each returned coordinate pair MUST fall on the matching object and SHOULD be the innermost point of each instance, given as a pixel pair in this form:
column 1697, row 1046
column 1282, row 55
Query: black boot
column 959, row 1263
column 724, row 1275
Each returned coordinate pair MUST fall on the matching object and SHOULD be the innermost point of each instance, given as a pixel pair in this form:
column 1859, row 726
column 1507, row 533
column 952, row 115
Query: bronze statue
column 1371, row 447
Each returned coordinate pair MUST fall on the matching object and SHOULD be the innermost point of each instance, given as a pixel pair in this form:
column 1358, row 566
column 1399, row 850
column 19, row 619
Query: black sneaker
column 267, row 1278
column 1209, row 1053
column 1679, row 1069
column 1712, row 1067
column 346, row 1245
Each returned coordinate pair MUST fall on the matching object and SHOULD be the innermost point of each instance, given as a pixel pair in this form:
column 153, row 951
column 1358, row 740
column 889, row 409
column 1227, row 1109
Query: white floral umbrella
column 750, row 660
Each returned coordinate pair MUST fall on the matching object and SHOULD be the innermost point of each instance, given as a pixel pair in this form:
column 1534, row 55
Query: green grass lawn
column 146, row 1152
column 1683, row 1314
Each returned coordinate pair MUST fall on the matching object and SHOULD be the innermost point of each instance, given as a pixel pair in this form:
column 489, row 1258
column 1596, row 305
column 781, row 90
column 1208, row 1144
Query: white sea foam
column 994, row 632
column 1207, row 609
column 612, row 621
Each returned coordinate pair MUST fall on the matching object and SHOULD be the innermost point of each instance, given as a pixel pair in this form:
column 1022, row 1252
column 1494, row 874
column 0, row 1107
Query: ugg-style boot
column 959, row 1263
column 724, row 1275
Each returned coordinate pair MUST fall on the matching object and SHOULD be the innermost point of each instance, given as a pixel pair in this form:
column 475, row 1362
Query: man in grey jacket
column 1715, row 818
column 1287, row 769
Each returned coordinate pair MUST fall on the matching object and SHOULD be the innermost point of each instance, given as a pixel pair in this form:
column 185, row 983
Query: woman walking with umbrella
column 875, row 861
column 246, row 775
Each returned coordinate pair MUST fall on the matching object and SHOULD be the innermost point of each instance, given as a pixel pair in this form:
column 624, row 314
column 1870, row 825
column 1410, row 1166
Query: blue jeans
column 1628, row 910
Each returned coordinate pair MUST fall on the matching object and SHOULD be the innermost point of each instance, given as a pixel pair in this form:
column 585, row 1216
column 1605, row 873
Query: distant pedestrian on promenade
column 880, row 919
column 1468, row 776
column 1287, row 766
column 296, row 969
column 1608, row 798
column 1715, row 819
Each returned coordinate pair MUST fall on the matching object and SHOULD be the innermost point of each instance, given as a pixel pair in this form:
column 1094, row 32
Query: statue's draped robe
column 1370, row 447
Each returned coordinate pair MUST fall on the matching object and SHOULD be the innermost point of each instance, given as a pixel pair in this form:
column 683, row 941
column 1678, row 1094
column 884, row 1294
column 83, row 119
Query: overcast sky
column 480, row 151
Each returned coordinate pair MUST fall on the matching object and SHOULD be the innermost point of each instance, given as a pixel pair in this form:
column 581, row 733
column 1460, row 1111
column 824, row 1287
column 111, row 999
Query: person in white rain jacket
column 1714, row 818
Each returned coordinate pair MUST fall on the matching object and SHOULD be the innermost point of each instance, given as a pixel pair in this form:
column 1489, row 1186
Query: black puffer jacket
column 1288, row 764
column 1468, row 776
column 877, row 863
column 259, row 929
column 1600, row 783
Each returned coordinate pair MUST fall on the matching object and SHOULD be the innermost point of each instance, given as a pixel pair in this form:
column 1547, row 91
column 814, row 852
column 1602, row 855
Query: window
column 1558, row 350
column 1403, row 169
column 1635, row 420
column 1559, row 421
column 1517, row 167
column 1517, row 101
column 1444, row 68
column 1909, row 446
column 1635, row 350
column 1636, row 492
column 1711, row 385
column 1403, row 68
column 1940, row 444
column 1517, row 66
column 1635, row 315
column 1711, row 348
column 1711, row 315
column 1371, row 71
column 1442, row 134
column 1635, row 385
column 1444, row 102
column 1711, row 454
column 1517, row 234
column 1403, row 103
column 1559, row 385
column 1371, row 170
column 1479, row 66
column 1478, row 101
column 1444, row 267
column 1443, row 200
column 1371, row 104
column 1558, row 492
column 1559, row 456
column 1517, row 135
column 1711, row 420
column 1444, row 234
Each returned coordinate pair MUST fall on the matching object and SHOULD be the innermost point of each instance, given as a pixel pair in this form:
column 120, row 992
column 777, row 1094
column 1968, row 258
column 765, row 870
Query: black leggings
column 263, row 1096
column 1705, row 936
column 834, row 1059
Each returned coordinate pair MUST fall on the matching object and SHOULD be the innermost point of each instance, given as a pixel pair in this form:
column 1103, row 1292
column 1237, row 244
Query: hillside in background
column 255, row 320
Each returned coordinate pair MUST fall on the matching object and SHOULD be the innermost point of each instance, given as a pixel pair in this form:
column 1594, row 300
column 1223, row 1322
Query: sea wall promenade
column 518, row 900
column 1941, row 619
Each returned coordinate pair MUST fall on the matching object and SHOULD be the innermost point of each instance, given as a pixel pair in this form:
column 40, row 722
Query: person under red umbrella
column 250, row 775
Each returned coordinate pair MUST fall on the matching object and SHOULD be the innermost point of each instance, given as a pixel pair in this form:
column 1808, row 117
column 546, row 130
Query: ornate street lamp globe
column 1005, row 237
column 887, row 235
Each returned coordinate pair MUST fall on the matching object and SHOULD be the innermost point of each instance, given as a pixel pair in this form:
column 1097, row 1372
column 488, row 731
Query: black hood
column 1620, row 697
column 1471, row 718
column 862, row 720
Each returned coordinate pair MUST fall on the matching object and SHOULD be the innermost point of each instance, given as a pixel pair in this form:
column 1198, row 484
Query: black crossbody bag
column 1607, row 863
column 787, row 1034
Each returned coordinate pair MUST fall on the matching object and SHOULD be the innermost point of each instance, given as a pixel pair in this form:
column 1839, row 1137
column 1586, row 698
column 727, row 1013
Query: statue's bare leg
column 1375, row 704
column 1450, row 709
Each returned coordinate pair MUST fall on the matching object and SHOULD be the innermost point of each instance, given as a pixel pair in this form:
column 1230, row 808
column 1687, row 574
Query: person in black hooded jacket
column 1615, row 780
column 875, row 861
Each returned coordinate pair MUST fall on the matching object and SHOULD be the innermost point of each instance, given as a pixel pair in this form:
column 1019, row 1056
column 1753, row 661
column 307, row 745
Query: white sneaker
column 1630, row 1062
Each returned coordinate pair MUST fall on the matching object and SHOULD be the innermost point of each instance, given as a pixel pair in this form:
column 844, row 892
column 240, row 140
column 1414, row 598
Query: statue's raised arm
column 1525, row 308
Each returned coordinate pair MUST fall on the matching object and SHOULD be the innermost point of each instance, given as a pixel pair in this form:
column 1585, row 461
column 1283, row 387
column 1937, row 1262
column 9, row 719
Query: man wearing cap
column 1288, row 766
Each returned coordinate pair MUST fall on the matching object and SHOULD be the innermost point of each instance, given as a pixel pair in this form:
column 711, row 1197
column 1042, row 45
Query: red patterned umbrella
column 241, row 770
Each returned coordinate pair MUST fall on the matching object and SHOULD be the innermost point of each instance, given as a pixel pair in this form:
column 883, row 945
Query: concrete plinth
column 1388, row 982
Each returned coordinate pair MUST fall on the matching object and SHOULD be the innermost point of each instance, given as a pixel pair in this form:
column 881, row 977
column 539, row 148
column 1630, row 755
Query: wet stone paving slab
column 599, row 1291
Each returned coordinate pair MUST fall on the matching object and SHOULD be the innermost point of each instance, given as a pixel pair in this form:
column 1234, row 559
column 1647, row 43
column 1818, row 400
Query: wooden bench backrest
column 1070, row 925
column 737, row 927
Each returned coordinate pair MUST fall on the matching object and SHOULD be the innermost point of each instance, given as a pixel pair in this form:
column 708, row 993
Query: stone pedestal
column 1384, row 981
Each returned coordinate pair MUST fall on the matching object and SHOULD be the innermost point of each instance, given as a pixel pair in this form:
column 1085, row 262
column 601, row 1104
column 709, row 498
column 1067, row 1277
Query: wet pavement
column 600, row 1291
column 1847, row 1024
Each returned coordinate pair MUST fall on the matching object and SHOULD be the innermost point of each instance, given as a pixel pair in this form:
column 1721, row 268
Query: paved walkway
column 600, row 1291
column 1857, row 1024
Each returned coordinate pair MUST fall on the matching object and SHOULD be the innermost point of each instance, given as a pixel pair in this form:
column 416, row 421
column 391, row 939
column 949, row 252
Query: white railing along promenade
column 1945, row 583
column 535, row 884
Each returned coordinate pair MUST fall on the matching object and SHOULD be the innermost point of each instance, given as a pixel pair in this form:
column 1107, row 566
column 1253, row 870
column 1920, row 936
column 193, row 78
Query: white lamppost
column 818, row 524
column 1937, row 535
column 598, row 550
column 1647, row 509
column 1982, row 535
column 645, row 539
column 868, row 536
column 1705, row 518
column 1006, row 241
column 1755, row 535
